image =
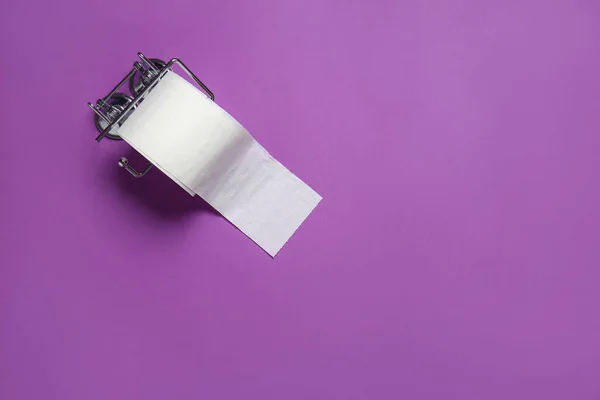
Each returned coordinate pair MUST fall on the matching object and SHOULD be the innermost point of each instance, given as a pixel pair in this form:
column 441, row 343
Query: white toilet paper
column 207, row 152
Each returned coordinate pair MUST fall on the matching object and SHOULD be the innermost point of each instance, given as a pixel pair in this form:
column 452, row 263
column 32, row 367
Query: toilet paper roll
column 207, row 152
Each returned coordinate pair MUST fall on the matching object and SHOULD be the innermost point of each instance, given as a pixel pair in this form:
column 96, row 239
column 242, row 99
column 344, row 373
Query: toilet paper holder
column 112, row 110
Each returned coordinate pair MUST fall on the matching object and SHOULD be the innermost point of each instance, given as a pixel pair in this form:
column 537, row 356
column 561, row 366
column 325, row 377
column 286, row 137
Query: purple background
column 456, row 253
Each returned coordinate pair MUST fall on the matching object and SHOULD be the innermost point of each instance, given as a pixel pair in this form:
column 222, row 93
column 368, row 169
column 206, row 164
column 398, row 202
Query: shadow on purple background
column 155, row 191
column 455, row 254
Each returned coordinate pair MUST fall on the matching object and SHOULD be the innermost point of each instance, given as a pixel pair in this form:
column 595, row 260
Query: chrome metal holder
column 124, row 163
column 113, row 109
